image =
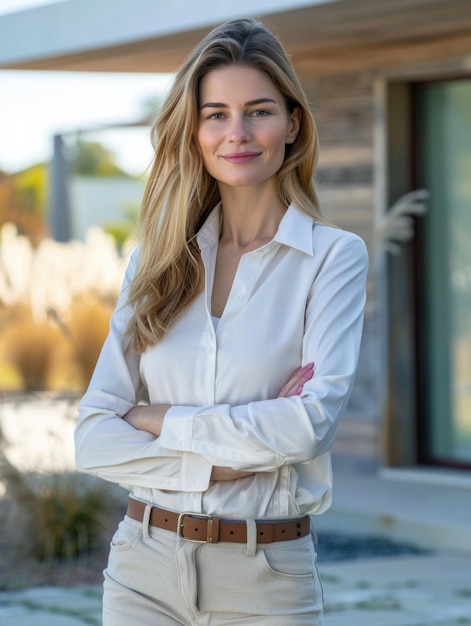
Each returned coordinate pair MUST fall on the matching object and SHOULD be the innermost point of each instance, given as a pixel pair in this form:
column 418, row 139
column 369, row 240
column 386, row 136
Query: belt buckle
column 209, row 531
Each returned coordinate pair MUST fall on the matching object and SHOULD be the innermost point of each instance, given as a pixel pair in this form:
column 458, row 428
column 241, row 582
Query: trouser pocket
column 280, row 579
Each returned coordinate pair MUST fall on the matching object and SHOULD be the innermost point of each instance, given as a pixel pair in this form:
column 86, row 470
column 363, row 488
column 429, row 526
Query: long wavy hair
column 180, row 194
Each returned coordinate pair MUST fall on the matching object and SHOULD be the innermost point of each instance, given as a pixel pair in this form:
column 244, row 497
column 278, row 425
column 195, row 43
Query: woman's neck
column 249, row 217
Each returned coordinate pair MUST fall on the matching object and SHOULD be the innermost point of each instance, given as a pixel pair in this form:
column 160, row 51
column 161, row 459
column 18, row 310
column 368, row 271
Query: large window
column 442, row 114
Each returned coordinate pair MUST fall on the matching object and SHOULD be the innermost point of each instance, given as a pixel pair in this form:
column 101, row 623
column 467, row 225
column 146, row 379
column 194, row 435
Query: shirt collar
column 295, row 230
column 208, row 234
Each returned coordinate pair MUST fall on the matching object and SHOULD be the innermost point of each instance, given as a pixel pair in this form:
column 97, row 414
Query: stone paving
column 51, row 606
column 430, row 590
column 398, row 591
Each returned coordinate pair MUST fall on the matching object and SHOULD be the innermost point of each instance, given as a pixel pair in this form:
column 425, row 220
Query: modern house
column 390, row 86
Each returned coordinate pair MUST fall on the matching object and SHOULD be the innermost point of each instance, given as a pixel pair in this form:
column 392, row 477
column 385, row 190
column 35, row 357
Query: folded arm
column 267, row 434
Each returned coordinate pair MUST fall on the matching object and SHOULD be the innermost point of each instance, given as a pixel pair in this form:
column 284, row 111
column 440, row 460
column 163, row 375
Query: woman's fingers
column 227, row 473
column 297, row 380
column 306, row 373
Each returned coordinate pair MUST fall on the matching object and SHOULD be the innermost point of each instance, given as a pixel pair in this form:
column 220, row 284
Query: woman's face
column 244, row 126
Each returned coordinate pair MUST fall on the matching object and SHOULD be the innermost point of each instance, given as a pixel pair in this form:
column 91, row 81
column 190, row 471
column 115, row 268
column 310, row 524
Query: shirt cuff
column 177, row 428
column 177, row 434
column 195, row 472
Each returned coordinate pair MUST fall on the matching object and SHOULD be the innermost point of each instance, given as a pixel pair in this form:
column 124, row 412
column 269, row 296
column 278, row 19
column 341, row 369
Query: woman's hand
column 147, row 417
column 296, row 381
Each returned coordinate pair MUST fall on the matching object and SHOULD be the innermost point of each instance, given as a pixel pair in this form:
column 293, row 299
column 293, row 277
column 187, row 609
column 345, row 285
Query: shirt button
column 240, row 296
column 179, row 443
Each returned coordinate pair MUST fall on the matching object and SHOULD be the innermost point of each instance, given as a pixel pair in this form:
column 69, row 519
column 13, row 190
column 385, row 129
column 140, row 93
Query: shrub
column 55, row 354
column 88, row 325
column 57, row 517
column 10, row 378
column 30, row 349
column 73, row 514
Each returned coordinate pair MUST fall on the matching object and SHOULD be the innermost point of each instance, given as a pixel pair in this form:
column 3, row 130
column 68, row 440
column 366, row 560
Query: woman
column 204, row 402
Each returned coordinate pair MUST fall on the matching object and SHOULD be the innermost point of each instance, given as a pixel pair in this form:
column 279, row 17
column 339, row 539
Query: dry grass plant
column 30, row 349
column 54, row 524
column 87, row 327
column 55, row 354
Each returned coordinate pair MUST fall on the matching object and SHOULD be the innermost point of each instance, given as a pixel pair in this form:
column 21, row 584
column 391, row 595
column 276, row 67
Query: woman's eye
column 260, row 113
column 216, row 116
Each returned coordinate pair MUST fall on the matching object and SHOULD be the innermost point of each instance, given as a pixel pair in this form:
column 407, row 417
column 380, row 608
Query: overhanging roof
column 155, row 35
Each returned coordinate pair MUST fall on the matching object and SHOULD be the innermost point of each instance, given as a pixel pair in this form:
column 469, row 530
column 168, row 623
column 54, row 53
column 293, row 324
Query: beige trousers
column 155, row 578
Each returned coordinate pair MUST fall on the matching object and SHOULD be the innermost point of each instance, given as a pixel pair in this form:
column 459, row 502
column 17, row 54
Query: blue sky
column 36, row 105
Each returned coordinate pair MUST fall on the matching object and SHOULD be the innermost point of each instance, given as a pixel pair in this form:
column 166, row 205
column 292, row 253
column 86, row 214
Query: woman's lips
column 240, row 157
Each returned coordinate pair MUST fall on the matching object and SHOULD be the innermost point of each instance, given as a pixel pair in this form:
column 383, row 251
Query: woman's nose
column 239, row 129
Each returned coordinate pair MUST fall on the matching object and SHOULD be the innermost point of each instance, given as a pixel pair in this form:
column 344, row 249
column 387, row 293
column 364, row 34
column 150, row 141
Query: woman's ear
column 294, row 124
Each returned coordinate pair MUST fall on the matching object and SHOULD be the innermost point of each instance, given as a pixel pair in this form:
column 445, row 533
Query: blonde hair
column 180, row 194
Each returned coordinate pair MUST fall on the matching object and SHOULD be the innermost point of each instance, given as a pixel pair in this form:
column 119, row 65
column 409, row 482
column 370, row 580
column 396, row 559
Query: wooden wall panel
column 343, row 109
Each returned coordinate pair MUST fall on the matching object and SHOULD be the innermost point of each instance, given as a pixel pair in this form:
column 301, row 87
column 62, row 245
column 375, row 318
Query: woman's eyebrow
column 222, row 105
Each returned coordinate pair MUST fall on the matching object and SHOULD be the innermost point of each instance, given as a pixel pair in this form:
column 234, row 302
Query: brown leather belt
column 203, row 528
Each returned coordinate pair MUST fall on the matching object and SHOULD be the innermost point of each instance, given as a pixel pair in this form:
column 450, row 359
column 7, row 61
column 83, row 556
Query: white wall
column 100, row 201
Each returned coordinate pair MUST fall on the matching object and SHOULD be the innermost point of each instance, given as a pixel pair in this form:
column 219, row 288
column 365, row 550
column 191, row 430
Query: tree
column 91, row 158
column 23, row 200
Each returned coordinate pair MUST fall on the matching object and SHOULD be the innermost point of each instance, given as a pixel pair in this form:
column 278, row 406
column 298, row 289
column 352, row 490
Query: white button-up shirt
column 297, row 299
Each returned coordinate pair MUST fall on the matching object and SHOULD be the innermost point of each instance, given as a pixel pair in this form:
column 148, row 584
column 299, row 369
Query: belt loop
column 313, row 531
column 251, row 537
column 146, row 521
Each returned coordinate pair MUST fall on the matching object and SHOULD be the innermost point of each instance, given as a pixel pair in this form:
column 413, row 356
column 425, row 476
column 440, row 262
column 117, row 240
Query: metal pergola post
column 59, row 204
